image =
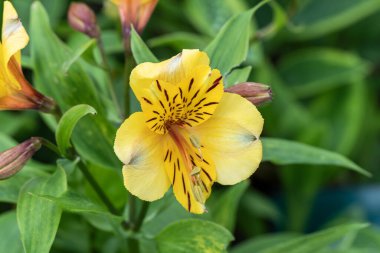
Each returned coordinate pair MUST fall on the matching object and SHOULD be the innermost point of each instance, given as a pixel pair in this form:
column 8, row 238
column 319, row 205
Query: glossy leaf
column 10, row 236
column 230, row 46
column 76, row 203
column 313, row 242
column 67, row 124
column 140, row 50
column 315, row 70
column 67, row 165
column 77, row 54
column 261, row 243
column 225, row 209
column 208, row 16
column 179, row 40
column 38, row 218
column 284, row 152
column 188, row 236
column 320, row 17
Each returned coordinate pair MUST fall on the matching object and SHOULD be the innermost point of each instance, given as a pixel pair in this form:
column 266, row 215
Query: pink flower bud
column 12, row 160
column 256, row 93
column 82, row 19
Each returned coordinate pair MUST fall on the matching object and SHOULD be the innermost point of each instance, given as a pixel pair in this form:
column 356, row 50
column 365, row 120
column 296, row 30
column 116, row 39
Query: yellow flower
column 15, row 91
column 190, row 133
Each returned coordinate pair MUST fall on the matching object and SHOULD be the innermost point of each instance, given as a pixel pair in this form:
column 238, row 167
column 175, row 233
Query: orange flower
column 136, row 13
column 15, row 91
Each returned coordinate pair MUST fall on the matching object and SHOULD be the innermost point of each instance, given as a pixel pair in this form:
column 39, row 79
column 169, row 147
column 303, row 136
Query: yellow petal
column 173, row 70
column 140, row 151
column 202, row 91
column 184, row 162
column 231, row 136
column 14, row 36
column 189, row 103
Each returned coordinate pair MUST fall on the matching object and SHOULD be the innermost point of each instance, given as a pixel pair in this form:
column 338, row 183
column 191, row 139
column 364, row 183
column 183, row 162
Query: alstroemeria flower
column 15, row 91
column 190, row 133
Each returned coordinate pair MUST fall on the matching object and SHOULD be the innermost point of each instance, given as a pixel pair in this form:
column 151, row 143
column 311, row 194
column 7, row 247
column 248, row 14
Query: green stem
column 87, row 175
column 50, row 145
column 129, row 65
column 108, row 69
column 142, row 214
column 132, row 210
column 133, row 245
column 97, row 188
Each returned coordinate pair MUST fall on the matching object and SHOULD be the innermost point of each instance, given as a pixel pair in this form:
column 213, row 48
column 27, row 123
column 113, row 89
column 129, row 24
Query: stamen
column 197, row 186
column 197, row 144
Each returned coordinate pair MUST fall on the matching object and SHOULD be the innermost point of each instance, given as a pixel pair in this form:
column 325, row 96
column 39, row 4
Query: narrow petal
column 14, row 36
column 184, row 162
column 231, row 136
column 140, row 151
column 173, row 70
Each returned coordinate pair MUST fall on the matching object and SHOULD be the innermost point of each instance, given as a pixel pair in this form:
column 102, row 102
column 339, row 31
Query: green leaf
column 237, row 76
column 162, row 213
column 225, row 210
column 260, row 206
column 320, row 17
column 285, row 152
column 140, row 50
column 230, row 47
column 67, row 165
column 96, row 214
column 10, row 236
column 178, row 41
column 12, row 124
column 208, row 16
column 193, row 235
column 67, row 124
column 279, row 20
column 314, row 70
column 93, row 136
column 77, row 54
column 73, row 202
column 313, row 242
column 261, row 243
column 38, row 218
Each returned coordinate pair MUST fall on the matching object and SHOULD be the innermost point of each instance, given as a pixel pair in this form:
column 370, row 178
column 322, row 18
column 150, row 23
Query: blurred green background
column 322, row 61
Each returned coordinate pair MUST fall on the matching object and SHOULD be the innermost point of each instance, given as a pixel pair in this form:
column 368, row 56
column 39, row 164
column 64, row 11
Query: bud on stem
column 256, row 93
column 13, row 160
column 83, row 19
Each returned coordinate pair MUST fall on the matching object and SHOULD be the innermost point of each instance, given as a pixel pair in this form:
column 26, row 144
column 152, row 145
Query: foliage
column 317, row 186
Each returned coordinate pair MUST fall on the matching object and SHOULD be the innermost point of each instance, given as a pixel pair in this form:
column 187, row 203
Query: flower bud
column 82, row 19
column 12, row 160
column 256, row 93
